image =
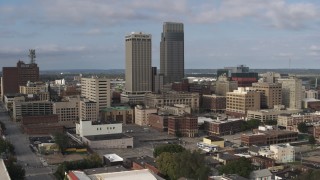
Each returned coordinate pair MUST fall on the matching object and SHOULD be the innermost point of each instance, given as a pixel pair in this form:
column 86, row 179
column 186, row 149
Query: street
column 25, row 157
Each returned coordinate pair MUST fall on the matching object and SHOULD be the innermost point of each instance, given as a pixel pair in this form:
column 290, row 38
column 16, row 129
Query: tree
column 183, row 164
column 312, row 140
column 241, row 167
column 250, row 124
column 172, row 148
column 92, row 161
column 62, row 140
column 302, row 127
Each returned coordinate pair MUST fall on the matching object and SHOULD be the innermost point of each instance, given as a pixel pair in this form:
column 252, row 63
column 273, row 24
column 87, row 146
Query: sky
column 89, row 34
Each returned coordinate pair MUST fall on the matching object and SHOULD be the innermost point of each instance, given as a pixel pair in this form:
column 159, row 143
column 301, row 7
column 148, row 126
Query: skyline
column 79, row 34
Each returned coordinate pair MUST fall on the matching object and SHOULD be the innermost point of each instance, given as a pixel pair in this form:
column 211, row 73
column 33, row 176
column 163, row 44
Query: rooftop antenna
column 32, row 55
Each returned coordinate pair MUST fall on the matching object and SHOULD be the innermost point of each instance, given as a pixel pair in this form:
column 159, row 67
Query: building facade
column 97, row 90
column 142, row 115
column 271, row 94
column 138, row 63
column 13, row 77
column 185, row 126
column 224, row 85
column 241, row 100
column 214, row 103
column 291, row 92
column 67, row 110
column 171, row 98
column 172, row 52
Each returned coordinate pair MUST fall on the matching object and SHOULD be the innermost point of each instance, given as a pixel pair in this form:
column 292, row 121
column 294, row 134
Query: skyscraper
column 138, row 63
column 172, row 52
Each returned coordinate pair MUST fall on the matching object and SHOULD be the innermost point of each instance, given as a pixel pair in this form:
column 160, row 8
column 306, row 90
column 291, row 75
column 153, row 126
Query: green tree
column 92, row 161
column 312, row 140
column 241, row 167
column 250, row 124
column 302, row 127
column 184, row 164
column 172, row 148
column 62, row 140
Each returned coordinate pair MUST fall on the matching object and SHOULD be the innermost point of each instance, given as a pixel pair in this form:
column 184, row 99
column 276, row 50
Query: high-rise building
column 172, row 52
column 271, row 94
column 138, row 63
column 97, row 90
column 291, row 92
column 13, row 77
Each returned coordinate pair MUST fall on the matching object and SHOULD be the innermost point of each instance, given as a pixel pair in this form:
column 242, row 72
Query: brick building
column 47, row 119
column 223, row 127
column 13, row 77
column 158, row 121
column 263, row 162
column 186, row 126
column 42, row 124
column 214, row 103
column 144, row 162
column 268, row 137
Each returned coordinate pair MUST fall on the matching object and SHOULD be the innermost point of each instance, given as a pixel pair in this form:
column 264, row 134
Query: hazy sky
column 90, row 33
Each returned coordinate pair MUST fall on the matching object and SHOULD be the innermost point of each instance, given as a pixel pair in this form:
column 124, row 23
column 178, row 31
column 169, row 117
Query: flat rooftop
column 214, row 138
column 125, row 175
column 109, row 169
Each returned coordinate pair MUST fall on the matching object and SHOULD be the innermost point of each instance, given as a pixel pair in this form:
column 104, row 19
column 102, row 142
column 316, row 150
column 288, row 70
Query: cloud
column 314, row 50
column 275, row 13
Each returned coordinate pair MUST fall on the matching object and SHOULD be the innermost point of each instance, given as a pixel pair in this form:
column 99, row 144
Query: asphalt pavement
column 30, row 161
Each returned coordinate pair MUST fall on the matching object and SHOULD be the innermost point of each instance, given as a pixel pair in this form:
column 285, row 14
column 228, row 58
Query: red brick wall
column 39, row 119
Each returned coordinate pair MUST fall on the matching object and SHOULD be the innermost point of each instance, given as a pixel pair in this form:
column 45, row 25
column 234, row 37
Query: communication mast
column 32, row 55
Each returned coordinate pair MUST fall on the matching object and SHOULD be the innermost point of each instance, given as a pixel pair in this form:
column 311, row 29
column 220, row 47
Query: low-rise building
column 268, row 136
column 170, row 98
column 214, row 140
column 214, row 103
column 291, row 121
column 270, row 114
column 222, row 127
column 142, row 115
column 120, row 114
column 159, row 121
column 144, row 162
column 225, row 158
column 262, row 161
column 176, row 109
column 263, row 174
column 186, row 126
column 283, row 153
column 67, row 110
column 90, row 128
column 241, row 100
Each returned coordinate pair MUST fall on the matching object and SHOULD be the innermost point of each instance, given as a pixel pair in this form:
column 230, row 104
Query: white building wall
column 283, row 153
column 85, row 128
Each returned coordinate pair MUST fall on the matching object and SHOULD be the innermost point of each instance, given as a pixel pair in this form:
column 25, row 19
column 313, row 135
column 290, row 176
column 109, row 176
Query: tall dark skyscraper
column 172, row 52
